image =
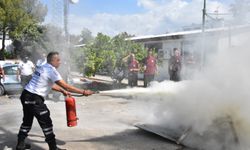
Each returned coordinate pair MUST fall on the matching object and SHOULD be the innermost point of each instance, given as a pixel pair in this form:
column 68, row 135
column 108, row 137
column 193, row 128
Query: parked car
column 12, row 83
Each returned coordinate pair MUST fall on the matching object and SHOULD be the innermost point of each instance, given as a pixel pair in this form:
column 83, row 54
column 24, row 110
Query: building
column 199, row 44
column 8, row 43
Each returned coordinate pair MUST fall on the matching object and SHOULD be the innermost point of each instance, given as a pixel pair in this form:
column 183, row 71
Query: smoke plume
column 219, row 90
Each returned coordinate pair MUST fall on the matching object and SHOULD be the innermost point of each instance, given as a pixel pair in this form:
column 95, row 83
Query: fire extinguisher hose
column 81, row 95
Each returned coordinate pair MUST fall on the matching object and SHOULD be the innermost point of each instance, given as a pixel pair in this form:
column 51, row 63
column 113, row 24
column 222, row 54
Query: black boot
column 21, row 145
column 52, row 146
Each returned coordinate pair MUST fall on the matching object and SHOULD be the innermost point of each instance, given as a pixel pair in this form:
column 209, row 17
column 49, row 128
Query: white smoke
column 220, row 90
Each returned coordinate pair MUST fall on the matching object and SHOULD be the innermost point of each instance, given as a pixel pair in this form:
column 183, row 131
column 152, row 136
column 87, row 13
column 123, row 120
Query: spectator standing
column 121, row 70
column 25, row 70
column 2, row 74
column 174, row 67
column 133, row 69
column 150, row 68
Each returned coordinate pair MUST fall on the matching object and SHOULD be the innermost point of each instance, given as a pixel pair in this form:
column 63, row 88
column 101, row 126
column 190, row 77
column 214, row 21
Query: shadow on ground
column 9, row 140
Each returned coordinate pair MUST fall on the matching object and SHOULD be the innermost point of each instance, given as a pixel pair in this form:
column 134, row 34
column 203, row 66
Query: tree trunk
column 3, row 45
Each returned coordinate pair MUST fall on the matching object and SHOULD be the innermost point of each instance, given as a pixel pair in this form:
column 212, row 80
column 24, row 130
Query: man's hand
column 65, row 93
column 87, row 92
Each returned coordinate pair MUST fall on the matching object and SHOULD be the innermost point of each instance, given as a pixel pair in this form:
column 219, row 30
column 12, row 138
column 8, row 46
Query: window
column 10, row 70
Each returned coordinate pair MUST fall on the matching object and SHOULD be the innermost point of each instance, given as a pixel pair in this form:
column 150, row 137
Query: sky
column 136, row 17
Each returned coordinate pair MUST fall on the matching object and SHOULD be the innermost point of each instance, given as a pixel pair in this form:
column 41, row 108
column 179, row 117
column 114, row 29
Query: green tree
column 96, row 54
column 106, row 53
column 20, row 20
column 75, row 39
column 123, row 47
column 52, row 38
column 86, row 36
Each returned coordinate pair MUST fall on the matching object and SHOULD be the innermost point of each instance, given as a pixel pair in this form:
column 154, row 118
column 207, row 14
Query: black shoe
column 60, row 148
column 53, row 146
column 57, row 148
column 21, row 145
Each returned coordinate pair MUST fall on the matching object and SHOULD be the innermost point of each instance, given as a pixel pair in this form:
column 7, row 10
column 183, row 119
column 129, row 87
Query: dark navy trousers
column 33, row 106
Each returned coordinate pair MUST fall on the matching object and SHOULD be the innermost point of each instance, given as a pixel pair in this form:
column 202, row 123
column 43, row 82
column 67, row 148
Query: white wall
column 7, row 43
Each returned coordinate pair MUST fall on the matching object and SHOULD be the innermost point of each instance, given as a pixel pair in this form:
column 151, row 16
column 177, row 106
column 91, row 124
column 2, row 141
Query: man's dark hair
column 50, row 56
column 175, row 49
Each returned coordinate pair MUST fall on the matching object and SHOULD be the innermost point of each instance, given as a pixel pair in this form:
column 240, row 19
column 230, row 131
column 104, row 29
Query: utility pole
column 203, row 35
column 204, row 16
column 65, row 14
column 66, row 32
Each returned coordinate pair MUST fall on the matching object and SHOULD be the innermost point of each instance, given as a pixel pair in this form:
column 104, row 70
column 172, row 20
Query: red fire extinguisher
column 71, row 111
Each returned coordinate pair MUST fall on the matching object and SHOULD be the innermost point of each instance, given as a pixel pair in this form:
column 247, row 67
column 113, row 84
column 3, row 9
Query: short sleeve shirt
column 43, row 79
column 26, row 68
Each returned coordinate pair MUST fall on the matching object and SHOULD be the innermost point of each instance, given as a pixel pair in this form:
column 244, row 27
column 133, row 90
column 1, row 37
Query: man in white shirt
column 25, row 69
column 45, row 78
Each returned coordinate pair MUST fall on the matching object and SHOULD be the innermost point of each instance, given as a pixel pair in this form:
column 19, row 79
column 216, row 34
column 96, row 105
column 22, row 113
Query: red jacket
column 1, row 71
column 150, row 63
column 133, row 65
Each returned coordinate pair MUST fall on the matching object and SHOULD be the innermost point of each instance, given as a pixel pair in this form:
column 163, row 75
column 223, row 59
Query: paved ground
column 105, row 123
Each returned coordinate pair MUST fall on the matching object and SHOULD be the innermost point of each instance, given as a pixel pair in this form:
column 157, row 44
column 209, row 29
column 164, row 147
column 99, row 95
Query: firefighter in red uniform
column 150, row 68
column 133, row 69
